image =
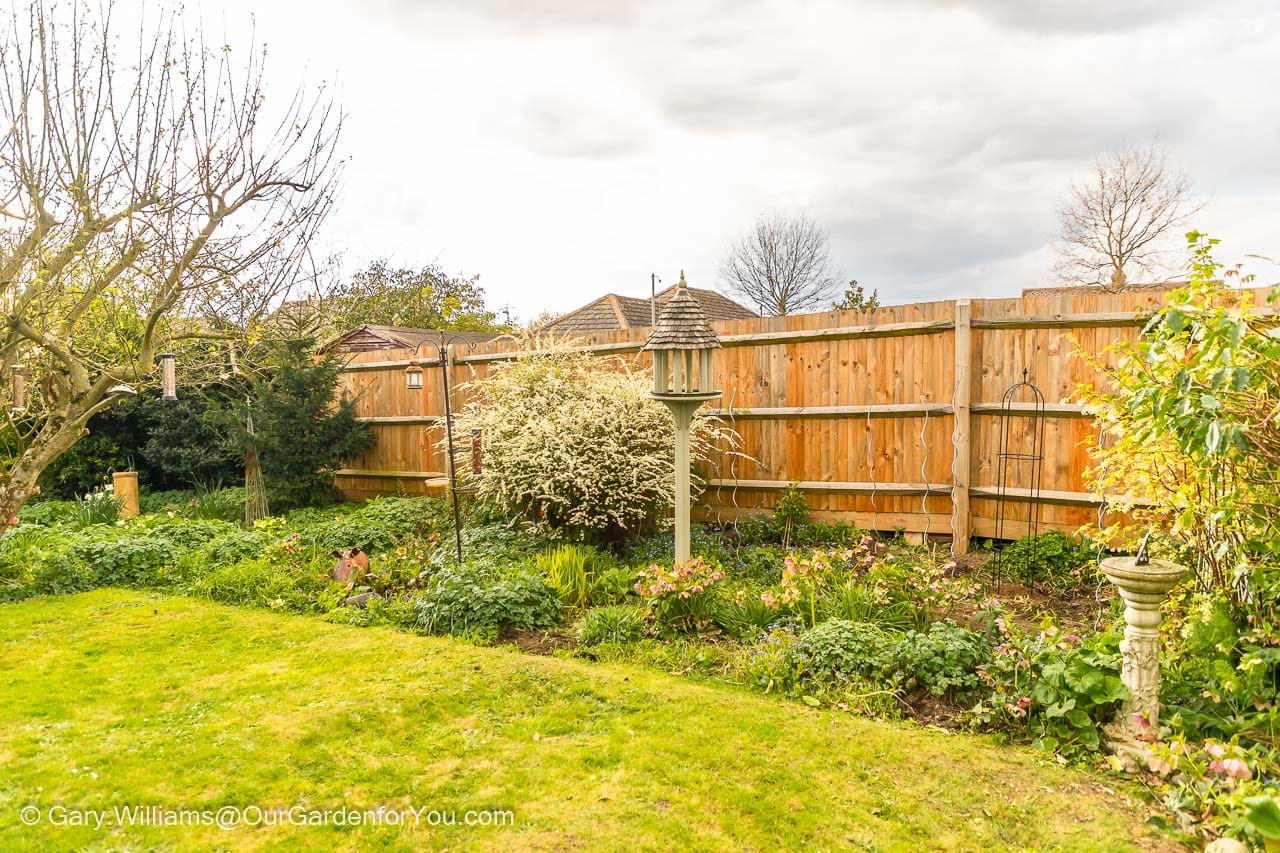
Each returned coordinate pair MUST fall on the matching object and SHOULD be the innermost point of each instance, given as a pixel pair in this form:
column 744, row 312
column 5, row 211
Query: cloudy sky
column 562, row 149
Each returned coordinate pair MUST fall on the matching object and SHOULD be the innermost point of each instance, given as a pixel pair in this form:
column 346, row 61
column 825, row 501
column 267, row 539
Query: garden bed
column 834, row 620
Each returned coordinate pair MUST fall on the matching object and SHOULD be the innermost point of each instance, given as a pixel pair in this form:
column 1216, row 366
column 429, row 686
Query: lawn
column 115, row 698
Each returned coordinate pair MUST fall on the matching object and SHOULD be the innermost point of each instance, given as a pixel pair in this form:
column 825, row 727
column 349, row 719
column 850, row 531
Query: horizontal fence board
column 401, row 420
column 831, row 487
column 1097, row 320
column 885, row 411
column 391, row 475
column 1051, row 410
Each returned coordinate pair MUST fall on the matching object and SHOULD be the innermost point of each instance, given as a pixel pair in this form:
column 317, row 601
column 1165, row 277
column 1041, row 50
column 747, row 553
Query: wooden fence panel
column 868, row 411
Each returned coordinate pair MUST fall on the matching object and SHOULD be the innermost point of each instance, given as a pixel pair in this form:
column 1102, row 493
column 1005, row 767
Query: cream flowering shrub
column 575, row 443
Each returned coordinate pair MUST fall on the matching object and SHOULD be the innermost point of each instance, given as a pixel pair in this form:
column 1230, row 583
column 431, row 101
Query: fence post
column 961, row 521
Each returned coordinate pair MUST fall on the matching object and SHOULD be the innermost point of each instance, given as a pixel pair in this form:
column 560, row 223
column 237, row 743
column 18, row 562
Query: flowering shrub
column 575, row 443
column 1215, row 788
column 1051, row 685
column 101, row 506
column 679, row 597
column 804, row 579
column 936, row 593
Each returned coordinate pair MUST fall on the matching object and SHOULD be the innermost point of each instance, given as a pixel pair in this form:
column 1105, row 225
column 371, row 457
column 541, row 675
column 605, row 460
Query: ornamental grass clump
column 574, row 443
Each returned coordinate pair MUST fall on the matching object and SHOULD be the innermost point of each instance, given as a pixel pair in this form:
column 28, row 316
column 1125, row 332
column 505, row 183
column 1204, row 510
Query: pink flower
column 1157, row 764
column 1024, row 702
column 1140, row 720
column 1236, row 768
column 1215, row 749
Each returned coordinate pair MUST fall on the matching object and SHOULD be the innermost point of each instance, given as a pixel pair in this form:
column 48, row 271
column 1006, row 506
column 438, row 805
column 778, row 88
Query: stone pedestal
column 1143, row 588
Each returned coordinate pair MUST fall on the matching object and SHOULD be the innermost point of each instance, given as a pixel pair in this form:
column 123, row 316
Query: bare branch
column 780, row 266
column 1113, row 228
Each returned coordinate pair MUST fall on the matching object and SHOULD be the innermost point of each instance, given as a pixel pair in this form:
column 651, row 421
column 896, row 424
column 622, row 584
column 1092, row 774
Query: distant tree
column 1112, row 225
column 425, row 298
column 299, row 434
column 780, row 266
column 856, row 299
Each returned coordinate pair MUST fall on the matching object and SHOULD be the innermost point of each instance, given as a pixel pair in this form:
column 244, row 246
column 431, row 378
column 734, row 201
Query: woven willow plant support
column 255, row 491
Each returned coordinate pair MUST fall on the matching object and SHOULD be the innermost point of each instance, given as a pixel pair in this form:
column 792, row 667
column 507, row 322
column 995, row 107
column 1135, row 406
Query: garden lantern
column 19, row 389
column 168, row 377
column 681, row 343
column 413, row 376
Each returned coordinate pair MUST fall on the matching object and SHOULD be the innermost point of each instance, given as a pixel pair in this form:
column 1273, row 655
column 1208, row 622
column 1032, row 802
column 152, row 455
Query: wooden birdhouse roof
column 682, row 325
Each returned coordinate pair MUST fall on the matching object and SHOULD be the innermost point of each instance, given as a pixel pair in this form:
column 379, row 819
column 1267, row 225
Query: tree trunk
column 18, row 484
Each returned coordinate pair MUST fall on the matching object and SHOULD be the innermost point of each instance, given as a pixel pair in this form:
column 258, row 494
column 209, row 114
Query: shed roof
column 370, row 337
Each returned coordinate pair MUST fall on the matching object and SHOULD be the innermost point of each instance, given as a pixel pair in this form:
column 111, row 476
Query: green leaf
column 1213, row 437
column 1079, row 718
column 1059, row 709
column 1263, row 814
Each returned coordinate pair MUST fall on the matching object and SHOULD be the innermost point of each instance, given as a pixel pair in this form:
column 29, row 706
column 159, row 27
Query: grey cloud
column 1056, row 16
column 563, row 128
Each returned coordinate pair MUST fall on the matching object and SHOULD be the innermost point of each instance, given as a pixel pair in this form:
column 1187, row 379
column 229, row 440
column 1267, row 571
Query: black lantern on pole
column 413, row 376
column 413, row 380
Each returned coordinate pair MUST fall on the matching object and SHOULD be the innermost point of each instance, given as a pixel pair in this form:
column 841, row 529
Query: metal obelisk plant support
column 682, row 343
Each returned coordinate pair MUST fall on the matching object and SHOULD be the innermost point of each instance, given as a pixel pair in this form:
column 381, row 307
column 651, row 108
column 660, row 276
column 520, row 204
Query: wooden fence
column 888, row 418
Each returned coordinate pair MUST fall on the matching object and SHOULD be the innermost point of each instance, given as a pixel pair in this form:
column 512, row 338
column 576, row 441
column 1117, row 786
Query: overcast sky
column 562, row 149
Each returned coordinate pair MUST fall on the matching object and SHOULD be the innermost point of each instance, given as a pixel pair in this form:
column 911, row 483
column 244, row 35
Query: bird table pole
column 683, row 412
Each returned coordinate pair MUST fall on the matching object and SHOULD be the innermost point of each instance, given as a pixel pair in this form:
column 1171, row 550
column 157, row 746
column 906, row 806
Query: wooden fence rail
column 889, row 418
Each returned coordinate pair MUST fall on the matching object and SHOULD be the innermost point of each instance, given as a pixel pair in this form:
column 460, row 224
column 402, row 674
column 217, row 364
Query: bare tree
column 149, row 200
column 780, row 266
column 1112, row 226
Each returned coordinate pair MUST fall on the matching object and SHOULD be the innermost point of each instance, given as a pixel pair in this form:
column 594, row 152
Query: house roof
column 682, row 325
column 369, row 337
column 612, row 312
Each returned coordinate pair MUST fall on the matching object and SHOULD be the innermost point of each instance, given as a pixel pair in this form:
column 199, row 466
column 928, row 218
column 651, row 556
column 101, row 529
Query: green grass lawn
column 118, row 698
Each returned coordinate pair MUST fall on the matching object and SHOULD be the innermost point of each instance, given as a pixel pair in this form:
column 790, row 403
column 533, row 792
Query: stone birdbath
column 1144, row 584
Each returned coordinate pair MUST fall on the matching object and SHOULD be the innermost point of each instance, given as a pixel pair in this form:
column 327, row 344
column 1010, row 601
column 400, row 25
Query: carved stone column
column 1143, row 585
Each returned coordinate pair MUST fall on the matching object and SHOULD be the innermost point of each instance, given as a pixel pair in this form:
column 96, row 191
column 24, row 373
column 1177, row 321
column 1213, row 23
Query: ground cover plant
column 579, row 755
